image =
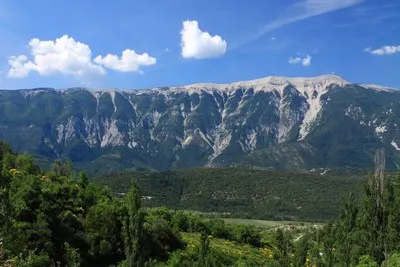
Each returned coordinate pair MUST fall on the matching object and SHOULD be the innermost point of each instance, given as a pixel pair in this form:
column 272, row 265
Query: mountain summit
column 274, row 122
column 273, row 82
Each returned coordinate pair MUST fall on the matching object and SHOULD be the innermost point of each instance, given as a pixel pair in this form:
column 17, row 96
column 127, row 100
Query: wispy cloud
column 384, row 50
column 301, row 10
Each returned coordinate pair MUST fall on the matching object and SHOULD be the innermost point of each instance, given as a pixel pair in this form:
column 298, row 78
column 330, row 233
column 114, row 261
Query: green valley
column 243, row 192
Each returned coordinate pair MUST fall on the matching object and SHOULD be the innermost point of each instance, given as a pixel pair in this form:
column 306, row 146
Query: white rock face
column 311, row 88
column 381, row 129
column 247, row 115
column 106, row 132
column 394, row 144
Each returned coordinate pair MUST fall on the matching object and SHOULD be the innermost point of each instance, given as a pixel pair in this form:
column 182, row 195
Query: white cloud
column 294, row 60
column 198, row 44
column 384, row 50
column 129, row 61
column 20, row 66
column 64, row 55
column 300, row 10
column 70, row 57
column 306, row 61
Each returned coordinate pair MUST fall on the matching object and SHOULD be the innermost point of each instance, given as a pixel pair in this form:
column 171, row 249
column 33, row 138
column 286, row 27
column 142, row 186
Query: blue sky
column 139, row 44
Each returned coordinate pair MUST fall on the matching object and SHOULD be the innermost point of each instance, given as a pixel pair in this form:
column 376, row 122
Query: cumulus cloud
column 67, row 56
column 384, row 50
column 198, row 44
column 306, row 61
column 129, row 61
column 64, row 55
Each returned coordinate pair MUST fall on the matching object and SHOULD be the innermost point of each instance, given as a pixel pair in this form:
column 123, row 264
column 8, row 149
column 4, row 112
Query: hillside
column 241, row 192
column 275, row 122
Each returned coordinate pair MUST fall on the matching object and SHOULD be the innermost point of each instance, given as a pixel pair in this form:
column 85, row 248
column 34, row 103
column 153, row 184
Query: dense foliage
column 59, row 218
column 243, row 192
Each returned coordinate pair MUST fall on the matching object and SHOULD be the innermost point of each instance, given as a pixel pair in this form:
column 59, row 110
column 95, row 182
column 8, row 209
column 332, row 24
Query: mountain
column 274, row 122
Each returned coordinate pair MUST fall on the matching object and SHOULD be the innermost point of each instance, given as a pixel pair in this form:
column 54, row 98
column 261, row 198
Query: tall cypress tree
column 328, row 238
column 393, row 235
column 375, row 210
column 133, row 228
column 346, row 228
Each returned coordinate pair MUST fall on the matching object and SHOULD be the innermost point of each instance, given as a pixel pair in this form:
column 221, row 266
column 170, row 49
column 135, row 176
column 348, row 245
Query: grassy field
column 267, row 224
column 229, row 252
column 260, row 223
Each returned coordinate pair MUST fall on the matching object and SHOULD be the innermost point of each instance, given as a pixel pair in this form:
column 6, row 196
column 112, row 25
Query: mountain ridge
column 274, row 122
column 251, row 82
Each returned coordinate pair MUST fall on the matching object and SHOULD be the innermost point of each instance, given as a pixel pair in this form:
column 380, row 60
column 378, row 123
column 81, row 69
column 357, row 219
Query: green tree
column 367, row 261
column 133, row 228
column 346, row 228
column 284, row 246
column 393, row 235
column 375, row 209
column 103, row 231
column 204, row 259
column 392, row 261
column 31, row 260
column 301, row 250
column 71, row 256
column 328, row 239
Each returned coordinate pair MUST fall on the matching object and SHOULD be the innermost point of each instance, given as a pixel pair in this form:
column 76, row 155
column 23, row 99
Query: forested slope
column 243, row 192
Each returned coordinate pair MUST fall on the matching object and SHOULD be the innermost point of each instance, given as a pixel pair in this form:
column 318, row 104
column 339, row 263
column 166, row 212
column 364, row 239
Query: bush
column 33, row 260
column 247, row 234
column 162, row 240
column 393, row 260
column 218, row 228
column 180, row 221
column 367, row 261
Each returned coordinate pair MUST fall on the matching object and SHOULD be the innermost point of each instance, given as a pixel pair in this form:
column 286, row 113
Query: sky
column 132, row 44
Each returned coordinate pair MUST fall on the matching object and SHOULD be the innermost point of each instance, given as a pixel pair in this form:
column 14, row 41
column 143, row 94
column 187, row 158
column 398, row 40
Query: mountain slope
column 276, row 122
